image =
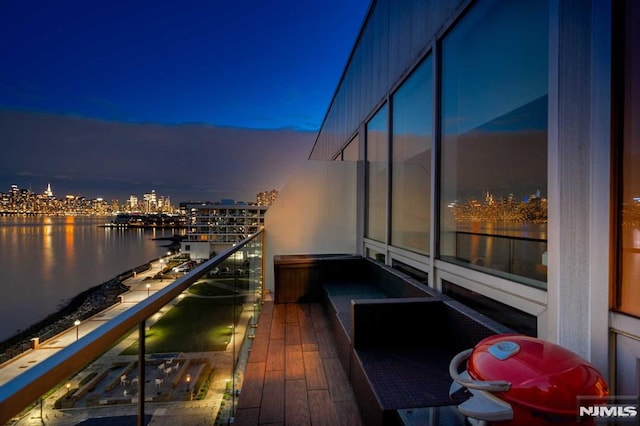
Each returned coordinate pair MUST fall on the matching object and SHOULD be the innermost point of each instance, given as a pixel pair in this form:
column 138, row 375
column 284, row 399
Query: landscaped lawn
column 204, row 288
column 193, row 325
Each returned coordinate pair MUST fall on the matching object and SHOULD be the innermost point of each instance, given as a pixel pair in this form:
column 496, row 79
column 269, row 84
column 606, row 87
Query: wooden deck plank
column 337, row 380
column 291, row 312
column 266, row 316
column 294, row 362
column 247, row 416
column 297, row 406
column 326, row 345
column 275, row 355
column 277, row 328
column 264, row 324
column 317, row 317
column 259, row 349
column 314, row 371
column 321, row 408
column 292, row 334
column 267, row 307
column 347, row 413
column 307, row 333
column 273, row 398
column 252, row 385
column 279, row 311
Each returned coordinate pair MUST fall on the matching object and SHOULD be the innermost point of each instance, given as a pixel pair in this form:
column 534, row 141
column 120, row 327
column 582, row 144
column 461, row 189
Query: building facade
column 490, row 149
column 215, row 227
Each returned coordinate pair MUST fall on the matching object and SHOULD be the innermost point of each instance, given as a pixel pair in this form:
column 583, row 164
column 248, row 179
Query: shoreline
column 84, row 305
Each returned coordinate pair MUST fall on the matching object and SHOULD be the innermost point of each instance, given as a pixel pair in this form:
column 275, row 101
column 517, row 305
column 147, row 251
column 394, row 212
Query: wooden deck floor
column 293, row 375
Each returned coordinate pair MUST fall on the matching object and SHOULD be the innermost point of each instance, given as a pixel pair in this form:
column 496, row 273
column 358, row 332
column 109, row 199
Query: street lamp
column 77, row 324
column 68, row 386
column 148, row 287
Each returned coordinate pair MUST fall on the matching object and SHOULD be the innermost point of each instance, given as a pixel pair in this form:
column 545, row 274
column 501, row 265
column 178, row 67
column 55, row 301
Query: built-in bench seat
column 340, row 295
column 402, row 349
column 367, row 280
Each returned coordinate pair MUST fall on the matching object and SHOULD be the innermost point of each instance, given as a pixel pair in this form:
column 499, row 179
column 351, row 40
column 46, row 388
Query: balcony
column 211, row 348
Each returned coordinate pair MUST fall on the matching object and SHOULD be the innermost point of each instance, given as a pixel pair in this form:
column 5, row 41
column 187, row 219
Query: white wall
column 579, row 185
column 198, row 250
column 315, row 213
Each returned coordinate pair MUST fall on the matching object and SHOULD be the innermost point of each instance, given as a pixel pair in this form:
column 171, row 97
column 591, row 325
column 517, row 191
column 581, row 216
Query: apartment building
column 214, row 227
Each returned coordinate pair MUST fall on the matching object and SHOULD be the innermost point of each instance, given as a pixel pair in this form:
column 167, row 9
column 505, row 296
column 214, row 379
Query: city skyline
column 25, row 201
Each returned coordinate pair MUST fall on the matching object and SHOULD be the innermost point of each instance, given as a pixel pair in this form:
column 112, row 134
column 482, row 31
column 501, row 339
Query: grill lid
column 543, row 376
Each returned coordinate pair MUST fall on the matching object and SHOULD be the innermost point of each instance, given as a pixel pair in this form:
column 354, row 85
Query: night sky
column 115, row 98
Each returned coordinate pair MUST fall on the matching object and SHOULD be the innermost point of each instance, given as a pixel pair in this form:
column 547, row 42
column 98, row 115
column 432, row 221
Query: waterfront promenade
column 190, row 412
column 138, row 291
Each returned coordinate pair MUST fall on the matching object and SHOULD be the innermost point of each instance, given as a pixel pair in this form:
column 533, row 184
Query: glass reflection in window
column 377, row 175
column 493, row 183
column 411, row 156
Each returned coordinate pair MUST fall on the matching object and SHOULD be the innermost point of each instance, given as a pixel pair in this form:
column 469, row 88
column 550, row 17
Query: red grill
column 518, row 380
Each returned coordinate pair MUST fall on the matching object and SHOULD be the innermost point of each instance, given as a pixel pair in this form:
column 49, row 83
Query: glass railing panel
column 196, row 329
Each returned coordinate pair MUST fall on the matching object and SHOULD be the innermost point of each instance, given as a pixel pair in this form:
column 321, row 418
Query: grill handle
column 489, row 386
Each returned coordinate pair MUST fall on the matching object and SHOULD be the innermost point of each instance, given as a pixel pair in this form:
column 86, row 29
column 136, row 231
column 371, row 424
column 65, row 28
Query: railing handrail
column 24, row 389
column 509, row 237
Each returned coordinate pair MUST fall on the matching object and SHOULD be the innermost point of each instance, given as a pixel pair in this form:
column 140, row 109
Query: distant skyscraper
column 48, row 192
column 133, row 202
column 150, row 201
column 266, row 198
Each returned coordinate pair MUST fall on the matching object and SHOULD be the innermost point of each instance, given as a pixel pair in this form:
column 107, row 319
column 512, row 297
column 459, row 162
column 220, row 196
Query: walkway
column 138, row 291
column 293, row 375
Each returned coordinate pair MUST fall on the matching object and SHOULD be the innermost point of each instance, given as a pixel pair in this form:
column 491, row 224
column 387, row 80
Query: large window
column 493, row 179
column 411, row 161
column 377, row 175
column 628, row 294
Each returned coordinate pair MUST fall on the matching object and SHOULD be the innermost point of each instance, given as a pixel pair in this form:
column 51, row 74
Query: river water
column 45, row 261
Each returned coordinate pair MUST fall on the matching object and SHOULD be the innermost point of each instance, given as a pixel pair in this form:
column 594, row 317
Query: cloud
column 191, row 161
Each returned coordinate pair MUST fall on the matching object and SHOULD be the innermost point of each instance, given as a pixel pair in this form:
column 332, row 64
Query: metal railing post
column 141, row 372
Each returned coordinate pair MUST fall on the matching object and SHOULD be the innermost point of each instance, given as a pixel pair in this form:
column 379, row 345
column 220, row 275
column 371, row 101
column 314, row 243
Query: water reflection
column 45, row 261
column 69, row 229
column 47, row 245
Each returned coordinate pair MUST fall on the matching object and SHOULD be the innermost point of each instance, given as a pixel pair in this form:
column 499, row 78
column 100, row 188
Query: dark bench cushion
column 406, row 377
column 340, row 295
